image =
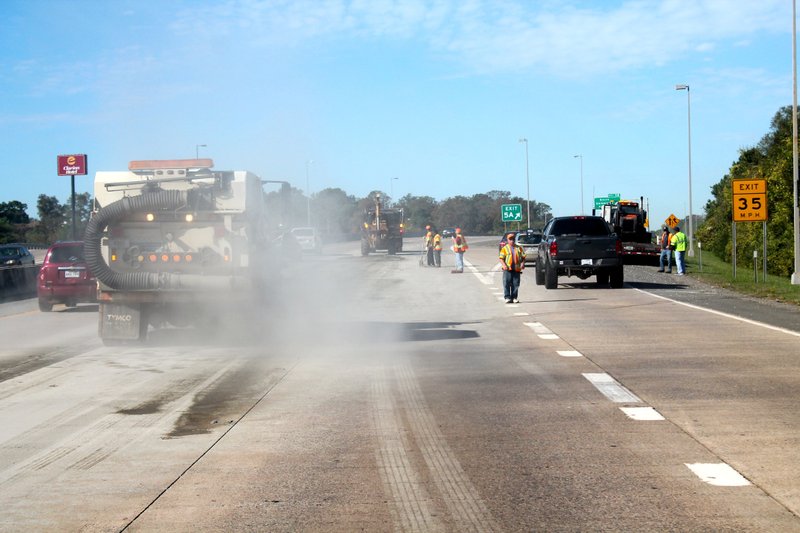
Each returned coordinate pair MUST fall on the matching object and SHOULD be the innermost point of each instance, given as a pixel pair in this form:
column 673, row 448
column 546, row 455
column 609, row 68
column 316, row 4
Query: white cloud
column 497, row 36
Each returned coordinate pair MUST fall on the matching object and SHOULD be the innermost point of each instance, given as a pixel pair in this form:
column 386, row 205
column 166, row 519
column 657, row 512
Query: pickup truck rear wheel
column 602, row 278
column 550, row 277
column 617, row 277
column 538, row 275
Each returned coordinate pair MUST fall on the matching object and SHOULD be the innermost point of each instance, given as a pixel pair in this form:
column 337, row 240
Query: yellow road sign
column 749, row 200
column 672, row 221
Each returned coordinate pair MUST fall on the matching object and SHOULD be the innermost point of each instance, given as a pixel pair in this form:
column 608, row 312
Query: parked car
column 308, row 239
column 448, row 233
column 15, row 255
column 64, row 277
column 529, row 240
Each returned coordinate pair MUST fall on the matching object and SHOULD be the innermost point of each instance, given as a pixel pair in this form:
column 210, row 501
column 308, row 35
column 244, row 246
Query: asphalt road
column 374, row 394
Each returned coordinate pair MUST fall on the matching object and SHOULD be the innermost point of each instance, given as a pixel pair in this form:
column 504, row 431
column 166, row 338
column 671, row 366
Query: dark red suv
column 64, row 277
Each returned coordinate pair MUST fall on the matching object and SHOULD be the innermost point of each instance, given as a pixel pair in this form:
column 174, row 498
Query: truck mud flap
column 120, row 322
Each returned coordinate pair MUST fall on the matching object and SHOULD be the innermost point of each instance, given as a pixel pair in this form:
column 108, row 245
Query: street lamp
column 689, row 115
column 581, row 158
column 795, row 179
column 527, row 179
column 308, row 195
column 197, row 150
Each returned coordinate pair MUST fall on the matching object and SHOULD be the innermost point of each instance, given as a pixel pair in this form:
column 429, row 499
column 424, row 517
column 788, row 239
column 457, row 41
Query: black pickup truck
column 581, row 246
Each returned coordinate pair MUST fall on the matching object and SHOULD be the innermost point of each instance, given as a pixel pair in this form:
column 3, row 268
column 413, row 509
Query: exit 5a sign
column 749, row 200
column 511, row 212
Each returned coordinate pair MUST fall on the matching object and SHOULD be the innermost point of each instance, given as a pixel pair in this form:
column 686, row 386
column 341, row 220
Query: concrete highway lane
column 374, row 394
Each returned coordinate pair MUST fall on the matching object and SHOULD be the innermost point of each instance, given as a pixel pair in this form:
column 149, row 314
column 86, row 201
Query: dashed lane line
column 718, row 474
column 611, row 388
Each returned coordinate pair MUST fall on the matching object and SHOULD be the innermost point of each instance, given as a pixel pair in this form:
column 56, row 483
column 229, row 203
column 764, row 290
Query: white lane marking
column 642, row 413
column 719, row 474
column 611, row 389
column 569, row 353
column 521, row 313
column 538, row 327
column 549, row 336
column 726, row 315
column 498, row 293
column 486, row 280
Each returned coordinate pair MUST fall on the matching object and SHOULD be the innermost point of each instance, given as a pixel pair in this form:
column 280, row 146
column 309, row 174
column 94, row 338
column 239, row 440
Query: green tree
column 770, row 159
column 14, row 212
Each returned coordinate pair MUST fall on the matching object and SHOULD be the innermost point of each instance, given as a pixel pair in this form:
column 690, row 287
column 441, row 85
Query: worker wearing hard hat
column 459, row 247
column 512, row 261
column 437, row 248
column 429, row 246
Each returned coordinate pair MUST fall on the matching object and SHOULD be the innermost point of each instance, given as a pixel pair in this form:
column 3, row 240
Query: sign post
column 70, row 165
column 750, row 205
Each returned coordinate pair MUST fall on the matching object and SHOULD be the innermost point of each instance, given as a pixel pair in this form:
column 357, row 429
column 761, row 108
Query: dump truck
column 628, row 219
column 382, row 228
column 174, row 242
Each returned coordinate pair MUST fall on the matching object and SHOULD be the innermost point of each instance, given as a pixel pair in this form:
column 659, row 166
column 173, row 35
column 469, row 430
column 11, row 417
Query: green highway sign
column 600, row 201
column 511, row 212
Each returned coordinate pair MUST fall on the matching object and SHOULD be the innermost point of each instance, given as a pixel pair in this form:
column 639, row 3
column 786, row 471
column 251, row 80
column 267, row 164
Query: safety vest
column 665, row 240
column 437, row 242
column 460, row 244
column 513, row 256
column 428, row 239
column 679, row 241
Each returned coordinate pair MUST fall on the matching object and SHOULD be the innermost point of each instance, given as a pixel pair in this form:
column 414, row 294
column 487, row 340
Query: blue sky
column 434, row 93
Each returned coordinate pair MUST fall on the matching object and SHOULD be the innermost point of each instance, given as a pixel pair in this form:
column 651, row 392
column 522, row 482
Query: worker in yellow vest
column 437, row 248
column 429, row 245
column 512, row 261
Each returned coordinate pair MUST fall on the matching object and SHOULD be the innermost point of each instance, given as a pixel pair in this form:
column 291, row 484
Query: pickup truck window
column 590, row 226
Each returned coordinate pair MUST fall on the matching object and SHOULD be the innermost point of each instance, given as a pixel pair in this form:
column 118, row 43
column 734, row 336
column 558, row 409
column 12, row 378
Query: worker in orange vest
column 459, row 247
column 429, row 246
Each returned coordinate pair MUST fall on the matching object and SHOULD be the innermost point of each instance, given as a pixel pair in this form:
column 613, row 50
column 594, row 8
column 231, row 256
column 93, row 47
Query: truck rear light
column 553, row 249
column 152, row 258
column 113, row 256
column 150, row 217
column 619, row 246
column 176, row 258
column 165, row 258
column 189, row 217
column 188, row 258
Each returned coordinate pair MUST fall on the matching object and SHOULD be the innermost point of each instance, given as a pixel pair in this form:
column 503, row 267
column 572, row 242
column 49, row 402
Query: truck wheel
column 45, row 306
column 364, row 248
column 538, row 275
column 550, row 277
column 391, row 248
column 602, row 277
column 617, row 277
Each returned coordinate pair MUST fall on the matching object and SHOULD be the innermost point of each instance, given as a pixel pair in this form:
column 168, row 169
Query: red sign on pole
column 71, row 165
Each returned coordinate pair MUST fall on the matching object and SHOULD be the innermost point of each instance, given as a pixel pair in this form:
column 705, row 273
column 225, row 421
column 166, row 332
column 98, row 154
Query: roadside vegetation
column 719, row 273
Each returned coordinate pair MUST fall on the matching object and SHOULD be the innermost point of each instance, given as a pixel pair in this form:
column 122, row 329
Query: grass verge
column 711, row 269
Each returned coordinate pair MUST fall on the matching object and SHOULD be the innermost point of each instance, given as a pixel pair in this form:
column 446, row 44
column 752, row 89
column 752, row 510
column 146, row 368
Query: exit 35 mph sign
column 749, row 200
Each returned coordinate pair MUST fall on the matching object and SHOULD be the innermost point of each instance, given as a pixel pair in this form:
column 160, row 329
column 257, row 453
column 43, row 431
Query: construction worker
column 512, row 261
column 429, row 246
column 678, row 243
column 459, row 247
column 437, row 248
column 665, row 259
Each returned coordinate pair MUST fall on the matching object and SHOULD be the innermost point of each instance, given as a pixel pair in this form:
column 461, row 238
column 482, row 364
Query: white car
column 308, row 239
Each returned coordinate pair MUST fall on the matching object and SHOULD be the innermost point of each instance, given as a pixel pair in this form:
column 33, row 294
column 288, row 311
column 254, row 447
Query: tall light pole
column 581, row 158
column 197, row 150
column 689, row 115
column 527, row 179
column 796, row 273
column 308, row 195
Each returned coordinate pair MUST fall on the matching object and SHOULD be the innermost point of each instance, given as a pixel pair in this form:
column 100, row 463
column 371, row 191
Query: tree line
column 337, row 215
